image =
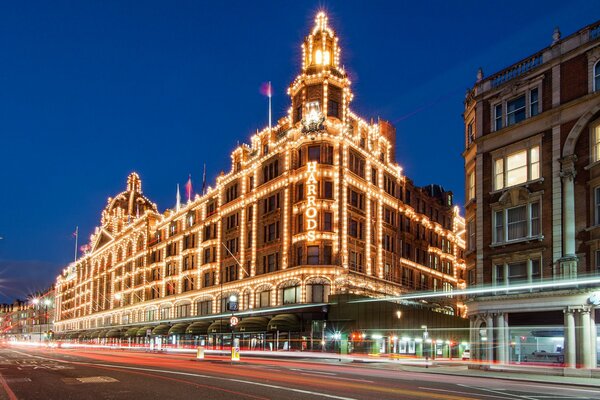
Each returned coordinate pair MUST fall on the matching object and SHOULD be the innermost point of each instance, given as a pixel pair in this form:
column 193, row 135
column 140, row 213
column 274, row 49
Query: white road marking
column 514, row 396
column 319, row 394
column 469, row 393
column 312, row 372
column 561, row 388
column 339, row 377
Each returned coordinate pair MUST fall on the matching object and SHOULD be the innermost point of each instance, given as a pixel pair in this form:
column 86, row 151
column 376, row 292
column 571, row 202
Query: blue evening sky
column 92, row 90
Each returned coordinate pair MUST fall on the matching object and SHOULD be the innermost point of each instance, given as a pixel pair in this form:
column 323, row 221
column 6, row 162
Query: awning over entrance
column 198, row 328
column 132, row 332
column 102, row 333
column 285, row 323
column 252, row 324
column 219, row 326
column 178, row 329
column 115, row 333
column 141, row 332
column 162, row 329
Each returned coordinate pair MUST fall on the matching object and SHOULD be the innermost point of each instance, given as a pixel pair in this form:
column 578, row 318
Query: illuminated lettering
column 311, row 206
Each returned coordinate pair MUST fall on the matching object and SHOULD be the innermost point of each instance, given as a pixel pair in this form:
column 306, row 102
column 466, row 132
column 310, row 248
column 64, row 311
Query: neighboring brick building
column 313, row 206
column 532, row 169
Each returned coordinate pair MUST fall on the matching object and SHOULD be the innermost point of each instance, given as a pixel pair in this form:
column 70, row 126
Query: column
column 501, row 338
column 568, row 262
column 569, row 346
column 489, row 321
column 507, row 338
column 593, row 338
column 472, row 336
column 586, row 351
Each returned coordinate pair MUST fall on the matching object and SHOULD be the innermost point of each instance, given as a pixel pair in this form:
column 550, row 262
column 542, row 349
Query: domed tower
column 322, row 90
column 126, row 206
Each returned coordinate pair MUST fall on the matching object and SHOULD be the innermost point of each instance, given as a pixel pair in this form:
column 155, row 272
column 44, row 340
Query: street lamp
column 36, row 302
column 47, row 302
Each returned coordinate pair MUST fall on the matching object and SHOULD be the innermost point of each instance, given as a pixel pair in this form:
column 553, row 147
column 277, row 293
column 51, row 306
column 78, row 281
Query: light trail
column 549, row 284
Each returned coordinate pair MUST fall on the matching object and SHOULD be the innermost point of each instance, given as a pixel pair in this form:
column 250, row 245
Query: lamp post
column 36, row 310
column 47, row 302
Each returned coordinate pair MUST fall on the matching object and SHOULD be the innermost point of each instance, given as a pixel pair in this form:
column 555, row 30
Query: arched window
column 317, row 290
column 597, row 76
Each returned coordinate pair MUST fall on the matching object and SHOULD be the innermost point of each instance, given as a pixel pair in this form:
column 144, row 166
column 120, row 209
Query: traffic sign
column 233, row 321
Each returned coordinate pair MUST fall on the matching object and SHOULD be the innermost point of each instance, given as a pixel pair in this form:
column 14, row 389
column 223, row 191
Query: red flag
column 188, row 188
column 265, row 89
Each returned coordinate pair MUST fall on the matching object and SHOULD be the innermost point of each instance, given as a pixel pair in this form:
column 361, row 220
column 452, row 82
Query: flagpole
column 270, row 94
column 204, row 181
column 76, row 236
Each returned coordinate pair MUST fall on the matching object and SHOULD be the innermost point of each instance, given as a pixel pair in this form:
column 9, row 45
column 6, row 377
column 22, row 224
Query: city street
column 36, row 373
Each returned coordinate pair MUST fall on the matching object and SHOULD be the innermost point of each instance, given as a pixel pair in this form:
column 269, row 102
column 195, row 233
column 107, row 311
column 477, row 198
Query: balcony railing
column 517, row 70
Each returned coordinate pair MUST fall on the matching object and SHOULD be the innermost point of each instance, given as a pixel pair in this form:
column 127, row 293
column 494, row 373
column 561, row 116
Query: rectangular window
column 264, row 299
column 471, row 235
column 291, row 295
column 327, row 221
column 533, row 103
column 499, row 226
column 327, row 252
column 333, row 108
column 517, row 272
column 597, row 260
column 327, row 189
column 517, row 168
column 516, row 222
column 597, row 205
column 312, row 255
column 471, row 188
column 299, row 255
column 498, row 116
column 596, row 143
column 314, row 153
column 515, row 110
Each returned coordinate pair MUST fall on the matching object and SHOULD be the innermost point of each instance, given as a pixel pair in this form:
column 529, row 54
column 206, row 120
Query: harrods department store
column 314, row 206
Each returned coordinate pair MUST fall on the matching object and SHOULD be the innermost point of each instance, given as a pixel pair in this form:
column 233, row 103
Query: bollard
column 200, row 353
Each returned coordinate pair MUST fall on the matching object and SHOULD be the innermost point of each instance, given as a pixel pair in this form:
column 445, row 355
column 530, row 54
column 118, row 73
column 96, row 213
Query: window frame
column 500, row 157
column 529, row 221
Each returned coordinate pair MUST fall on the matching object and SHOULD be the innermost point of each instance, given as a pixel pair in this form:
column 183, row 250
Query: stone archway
column 573, row 137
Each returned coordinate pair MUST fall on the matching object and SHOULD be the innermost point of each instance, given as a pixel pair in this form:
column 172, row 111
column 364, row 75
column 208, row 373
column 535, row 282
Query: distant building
column 31, row 320
column 532, row 169
column 314, row 206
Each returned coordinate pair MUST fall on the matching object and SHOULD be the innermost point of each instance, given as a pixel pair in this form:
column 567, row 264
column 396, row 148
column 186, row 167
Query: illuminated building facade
column 532, row 164
column 314, row 206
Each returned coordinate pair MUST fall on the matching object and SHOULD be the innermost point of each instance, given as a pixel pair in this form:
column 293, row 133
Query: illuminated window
column 471, row 188
column 318, row 57
column 595, row 142
column 597, row 205
column 517, row 168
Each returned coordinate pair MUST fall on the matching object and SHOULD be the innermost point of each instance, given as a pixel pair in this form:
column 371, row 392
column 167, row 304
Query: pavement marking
column 319, row 394
column 562, row 388
column 7, row 389
column 17, row 380
column 469, row 393
column 312, row 372
column 339, row 377
column 517, row 396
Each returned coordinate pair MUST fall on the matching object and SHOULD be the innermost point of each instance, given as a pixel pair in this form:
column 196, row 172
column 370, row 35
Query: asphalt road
column 35, row 373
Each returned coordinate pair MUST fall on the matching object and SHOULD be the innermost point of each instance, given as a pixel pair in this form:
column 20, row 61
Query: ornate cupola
column 126, row 206
column 322, row 90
